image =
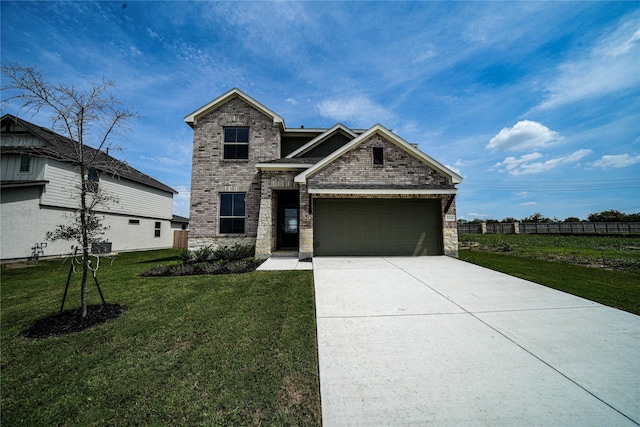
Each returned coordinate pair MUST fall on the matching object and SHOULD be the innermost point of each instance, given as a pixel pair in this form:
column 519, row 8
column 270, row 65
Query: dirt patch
column 70, row 321
column 20, row 264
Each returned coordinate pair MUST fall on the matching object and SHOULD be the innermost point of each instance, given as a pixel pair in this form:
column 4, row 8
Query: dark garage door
column 377, row 227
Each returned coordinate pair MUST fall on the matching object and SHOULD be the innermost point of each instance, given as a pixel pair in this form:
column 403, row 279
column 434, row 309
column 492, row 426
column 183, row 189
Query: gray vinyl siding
column 20, row 139
column 10, row 168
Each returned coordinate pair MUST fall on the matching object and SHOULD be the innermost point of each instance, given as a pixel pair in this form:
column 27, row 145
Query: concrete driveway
column 437, row 341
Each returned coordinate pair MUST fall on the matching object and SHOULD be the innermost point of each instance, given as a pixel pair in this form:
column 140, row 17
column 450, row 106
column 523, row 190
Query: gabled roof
column 321, row 138
column 192, row 118
column 390, row 136
column 61, row 148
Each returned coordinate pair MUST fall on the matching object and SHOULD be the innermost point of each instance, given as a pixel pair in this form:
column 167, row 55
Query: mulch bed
column 204, row 268
column 69, row 321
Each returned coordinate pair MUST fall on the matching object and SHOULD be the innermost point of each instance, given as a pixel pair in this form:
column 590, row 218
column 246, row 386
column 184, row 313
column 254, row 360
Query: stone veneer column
column 306, row 243
column 305, row 248
column 450, row 237
column 264, row 243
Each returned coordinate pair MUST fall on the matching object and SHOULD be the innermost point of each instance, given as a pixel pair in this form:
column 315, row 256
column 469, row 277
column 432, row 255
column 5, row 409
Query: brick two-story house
column 336, row 191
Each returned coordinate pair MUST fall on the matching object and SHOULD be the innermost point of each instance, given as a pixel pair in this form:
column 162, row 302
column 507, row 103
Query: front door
column 288, row 218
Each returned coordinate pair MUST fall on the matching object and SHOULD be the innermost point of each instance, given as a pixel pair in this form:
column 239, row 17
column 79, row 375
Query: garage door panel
column 377, row 227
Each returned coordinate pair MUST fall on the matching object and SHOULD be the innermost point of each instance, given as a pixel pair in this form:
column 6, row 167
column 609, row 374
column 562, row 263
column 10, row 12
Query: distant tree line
column 604, row 216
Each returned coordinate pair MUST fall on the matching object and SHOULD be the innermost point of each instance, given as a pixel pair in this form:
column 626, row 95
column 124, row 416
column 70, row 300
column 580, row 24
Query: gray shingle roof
column 61, row 148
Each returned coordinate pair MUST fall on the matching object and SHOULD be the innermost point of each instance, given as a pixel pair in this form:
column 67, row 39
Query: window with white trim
column 232, row 213
column 157, row 230
column 25, row 164
column 236, row 143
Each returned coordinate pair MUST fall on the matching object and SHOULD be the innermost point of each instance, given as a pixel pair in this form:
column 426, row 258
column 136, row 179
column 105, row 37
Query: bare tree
column 89, row 116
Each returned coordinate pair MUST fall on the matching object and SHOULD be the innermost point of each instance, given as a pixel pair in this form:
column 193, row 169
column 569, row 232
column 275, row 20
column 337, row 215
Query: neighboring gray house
column 336, row 191
column 39, row 190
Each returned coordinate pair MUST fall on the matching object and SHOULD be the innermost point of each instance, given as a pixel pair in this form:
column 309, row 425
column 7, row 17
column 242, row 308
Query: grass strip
column 612, row 288
column 199, row 350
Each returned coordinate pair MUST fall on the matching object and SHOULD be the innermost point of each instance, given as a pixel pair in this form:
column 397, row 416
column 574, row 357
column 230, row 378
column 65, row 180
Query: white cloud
column 521, row 194
column 528, row 204
column 152, row 33
column 360, row 110
column 477, row 215
column 511, row 163
column 167, row 161
column 457, row 166
column 453, row 168
column 610, row 66
column 524, row 165
column 291, row 101
column 615, row 161
column 181, row 201
column 524, row 135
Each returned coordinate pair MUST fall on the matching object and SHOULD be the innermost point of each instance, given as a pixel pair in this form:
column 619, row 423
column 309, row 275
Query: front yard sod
column 601, row 268
column 237, row 349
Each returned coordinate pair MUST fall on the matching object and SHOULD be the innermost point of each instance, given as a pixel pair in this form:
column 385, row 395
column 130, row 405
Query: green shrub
column 185, row 256
column 203, row 254
column 235, row 252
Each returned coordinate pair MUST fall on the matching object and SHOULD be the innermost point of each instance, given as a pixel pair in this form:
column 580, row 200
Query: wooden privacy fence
column 550, row 228
column 180, row 239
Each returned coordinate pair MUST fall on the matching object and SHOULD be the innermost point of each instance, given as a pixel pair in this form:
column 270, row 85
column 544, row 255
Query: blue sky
column 536, row 104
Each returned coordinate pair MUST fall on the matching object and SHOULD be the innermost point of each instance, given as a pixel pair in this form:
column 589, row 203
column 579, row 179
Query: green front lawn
column 613, row 288
column 199, row 350
column 616, row 252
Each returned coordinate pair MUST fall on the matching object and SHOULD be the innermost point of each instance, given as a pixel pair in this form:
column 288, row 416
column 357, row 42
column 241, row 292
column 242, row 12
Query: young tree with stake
column 90, row 117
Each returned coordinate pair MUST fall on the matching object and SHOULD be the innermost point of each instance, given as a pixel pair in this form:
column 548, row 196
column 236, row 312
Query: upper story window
column 236, row 143
column 93, row 177
column 25, row 164
column 378, row 156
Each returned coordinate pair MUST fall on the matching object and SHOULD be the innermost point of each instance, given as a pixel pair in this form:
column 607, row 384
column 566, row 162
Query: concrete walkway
column 437, row 341
column 284, row 263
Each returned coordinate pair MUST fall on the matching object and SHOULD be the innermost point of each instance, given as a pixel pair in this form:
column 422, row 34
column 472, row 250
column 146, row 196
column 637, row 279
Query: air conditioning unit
column 101, row 247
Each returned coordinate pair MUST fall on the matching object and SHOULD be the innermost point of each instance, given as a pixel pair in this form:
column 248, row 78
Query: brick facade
column 213, row 175
column 400, row 168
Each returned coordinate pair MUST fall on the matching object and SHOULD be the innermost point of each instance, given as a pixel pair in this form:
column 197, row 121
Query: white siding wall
column 62, row 189
column 27, row 215
column 10, row 168
column 132, row 198
column 137, row 199
column 24, row 223
column 128, row 237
